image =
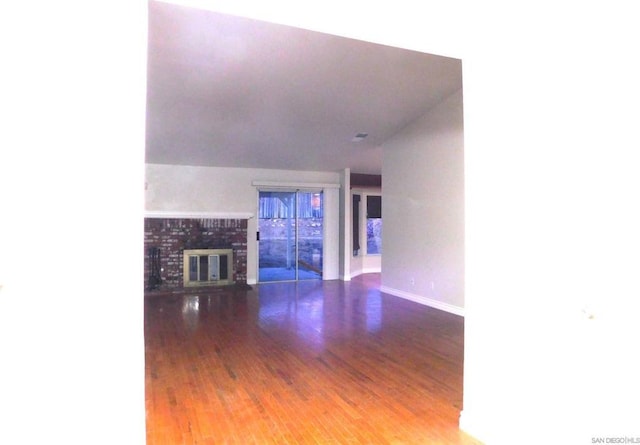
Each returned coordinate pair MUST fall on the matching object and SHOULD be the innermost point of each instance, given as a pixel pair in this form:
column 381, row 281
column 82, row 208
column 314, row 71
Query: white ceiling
column 235, row 92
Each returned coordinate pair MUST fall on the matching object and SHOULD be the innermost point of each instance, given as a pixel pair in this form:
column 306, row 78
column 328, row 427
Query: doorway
column 290, row 235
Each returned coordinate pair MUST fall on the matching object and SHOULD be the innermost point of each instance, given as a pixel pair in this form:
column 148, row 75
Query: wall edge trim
column 472, row 427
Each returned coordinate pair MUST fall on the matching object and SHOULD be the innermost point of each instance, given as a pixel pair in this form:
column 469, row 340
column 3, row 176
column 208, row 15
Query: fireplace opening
column 207, row 267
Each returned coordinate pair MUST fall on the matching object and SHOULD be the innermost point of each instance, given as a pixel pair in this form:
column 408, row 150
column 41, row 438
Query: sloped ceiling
column 236, row 92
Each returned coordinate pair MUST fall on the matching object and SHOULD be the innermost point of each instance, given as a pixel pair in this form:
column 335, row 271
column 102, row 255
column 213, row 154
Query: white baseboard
column 457, row 310
column 252, row 281
column 355, row 273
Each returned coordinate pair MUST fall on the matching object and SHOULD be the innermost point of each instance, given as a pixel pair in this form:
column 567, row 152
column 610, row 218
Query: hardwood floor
column 308, row 363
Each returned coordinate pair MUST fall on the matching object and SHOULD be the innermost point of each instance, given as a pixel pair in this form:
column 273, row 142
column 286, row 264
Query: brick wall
column 173, row 235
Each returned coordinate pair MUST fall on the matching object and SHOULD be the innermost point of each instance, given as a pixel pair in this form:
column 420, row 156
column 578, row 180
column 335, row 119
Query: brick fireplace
column 169, row 237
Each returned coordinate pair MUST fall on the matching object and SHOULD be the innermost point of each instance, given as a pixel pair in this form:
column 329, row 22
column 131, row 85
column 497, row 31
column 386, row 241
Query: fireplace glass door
column 207, row 267
column 290, row 235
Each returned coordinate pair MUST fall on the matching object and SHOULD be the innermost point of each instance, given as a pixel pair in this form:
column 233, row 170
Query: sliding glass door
column 290, row 228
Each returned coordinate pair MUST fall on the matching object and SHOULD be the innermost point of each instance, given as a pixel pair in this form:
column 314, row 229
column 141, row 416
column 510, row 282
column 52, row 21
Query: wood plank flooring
column 308, row 363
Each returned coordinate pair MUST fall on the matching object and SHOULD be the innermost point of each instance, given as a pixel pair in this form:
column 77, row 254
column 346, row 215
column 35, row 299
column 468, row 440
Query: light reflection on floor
column 191, row 312
column 374, row 311
column 304, row 307
column 293, row 307
column 297, row 311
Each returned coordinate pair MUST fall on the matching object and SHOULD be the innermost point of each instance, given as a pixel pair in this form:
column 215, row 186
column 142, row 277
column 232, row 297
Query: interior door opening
column 290, row 228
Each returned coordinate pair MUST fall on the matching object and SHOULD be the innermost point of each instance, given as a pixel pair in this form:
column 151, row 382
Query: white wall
column 71, row 177
column 345, row 225
column 363, row 264
column 217, row 190
column 552, row 224
column 423, row 209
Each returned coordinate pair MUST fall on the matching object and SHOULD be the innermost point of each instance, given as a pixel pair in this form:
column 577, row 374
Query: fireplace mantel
column 196, row 215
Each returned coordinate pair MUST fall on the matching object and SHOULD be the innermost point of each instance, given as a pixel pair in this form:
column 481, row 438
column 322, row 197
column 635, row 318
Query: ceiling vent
column 359, row 137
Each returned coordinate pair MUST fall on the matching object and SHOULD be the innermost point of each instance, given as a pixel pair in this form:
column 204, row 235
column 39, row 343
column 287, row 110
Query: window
column 374, row 225
column 367, row 231
column 356, row 224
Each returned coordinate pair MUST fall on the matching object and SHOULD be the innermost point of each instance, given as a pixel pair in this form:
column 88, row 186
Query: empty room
column 172, row 271
column 304, row 236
